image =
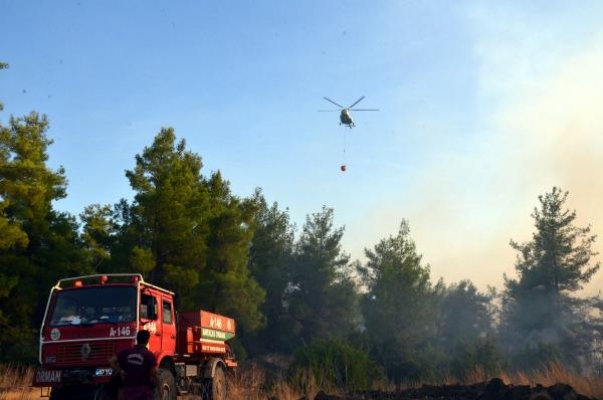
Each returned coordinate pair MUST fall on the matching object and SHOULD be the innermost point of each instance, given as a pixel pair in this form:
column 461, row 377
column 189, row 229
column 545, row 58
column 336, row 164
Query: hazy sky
column 484, row 106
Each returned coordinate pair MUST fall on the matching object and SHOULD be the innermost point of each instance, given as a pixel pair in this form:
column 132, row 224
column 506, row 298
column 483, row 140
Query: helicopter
column 346, row 116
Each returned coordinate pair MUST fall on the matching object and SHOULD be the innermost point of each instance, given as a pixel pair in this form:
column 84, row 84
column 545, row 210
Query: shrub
column 333, row 364
column 482, row 355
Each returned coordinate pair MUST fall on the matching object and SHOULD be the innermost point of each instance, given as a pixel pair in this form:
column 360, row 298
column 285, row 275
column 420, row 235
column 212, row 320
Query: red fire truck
column 90, row 318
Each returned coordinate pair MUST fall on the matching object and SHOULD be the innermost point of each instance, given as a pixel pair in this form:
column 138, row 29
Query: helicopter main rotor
column 350, row 107
column 357, row 101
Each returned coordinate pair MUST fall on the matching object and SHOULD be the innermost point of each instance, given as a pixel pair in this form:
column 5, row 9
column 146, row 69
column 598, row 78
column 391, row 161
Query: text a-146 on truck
column 90, row 318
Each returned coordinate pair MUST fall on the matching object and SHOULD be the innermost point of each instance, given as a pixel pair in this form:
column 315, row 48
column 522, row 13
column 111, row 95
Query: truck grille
column 85, row 353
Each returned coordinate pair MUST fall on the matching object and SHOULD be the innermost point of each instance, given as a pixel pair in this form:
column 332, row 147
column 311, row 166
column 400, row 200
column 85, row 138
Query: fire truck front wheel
column 167, row 390
column 56, row 394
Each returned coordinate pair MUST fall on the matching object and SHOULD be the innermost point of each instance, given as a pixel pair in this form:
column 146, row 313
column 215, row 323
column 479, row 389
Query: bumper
column 58, row 377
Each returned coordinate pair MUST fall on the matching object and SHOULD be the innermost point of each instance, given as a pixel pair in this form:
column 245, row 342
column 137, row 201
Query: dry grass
column 15, row 383
column 253, row 383
column 554, row 373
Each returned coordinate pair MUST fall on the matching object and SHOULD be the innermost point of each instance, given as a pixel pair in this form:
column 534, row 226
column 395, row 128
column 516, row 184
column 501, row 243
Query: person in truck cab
column 67, row 314
column 138, row 368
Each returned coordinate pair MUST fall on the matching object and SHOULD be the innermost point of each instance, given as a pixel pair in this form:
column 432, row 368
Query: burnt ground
column 494, row 389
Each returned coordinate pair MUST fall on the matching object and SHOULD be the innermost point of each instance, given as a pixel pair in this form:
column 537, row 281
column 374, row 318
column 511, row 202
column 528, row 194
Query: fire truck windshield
column 93, row 305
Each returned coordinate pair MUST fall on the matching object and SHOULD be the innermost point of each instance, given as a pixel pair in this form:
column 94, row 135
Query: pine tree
column 165, row 233
column 320, row 300
column 270, row 263
column 466, row 330
column 465, row 314
column 400, row 306
column 189, row 234
column 227, row 285
column 98, row 234
column 40, row 245
column 541, row 321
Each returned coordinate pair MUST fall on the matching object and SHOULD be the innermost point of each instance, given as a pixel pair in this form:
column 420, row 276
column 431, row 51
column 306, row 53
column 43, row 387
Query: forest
column 295, row 294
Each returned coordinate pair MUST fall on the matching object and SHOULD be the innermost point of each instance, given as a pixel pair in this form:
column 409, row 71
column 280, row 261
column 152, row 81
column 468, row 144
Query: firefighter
column 138, row 369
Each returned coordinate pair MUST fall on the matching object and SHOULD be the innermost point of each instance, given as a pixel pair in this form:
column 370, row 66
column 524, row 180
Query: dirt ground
column 494, row 389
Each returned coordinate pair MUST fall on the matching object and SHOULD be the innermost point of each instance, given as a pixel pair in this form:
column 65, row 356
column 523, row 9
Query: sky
column 483, row 107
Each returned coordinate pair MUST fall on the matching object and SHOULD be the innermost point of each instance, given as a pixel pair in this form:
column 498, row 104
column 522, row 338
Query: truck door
column 149, row 320
column 169, row 326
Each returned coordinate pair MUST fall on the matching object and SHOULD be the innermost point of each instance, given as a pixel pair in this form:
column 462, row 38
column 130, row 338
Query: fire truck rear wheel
column 167, row 390
column 218, row 385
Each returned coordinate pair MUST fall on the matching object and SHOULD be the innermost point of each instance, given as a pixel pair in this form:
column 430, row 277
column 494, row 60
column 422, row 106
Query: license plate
column 103, row 372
